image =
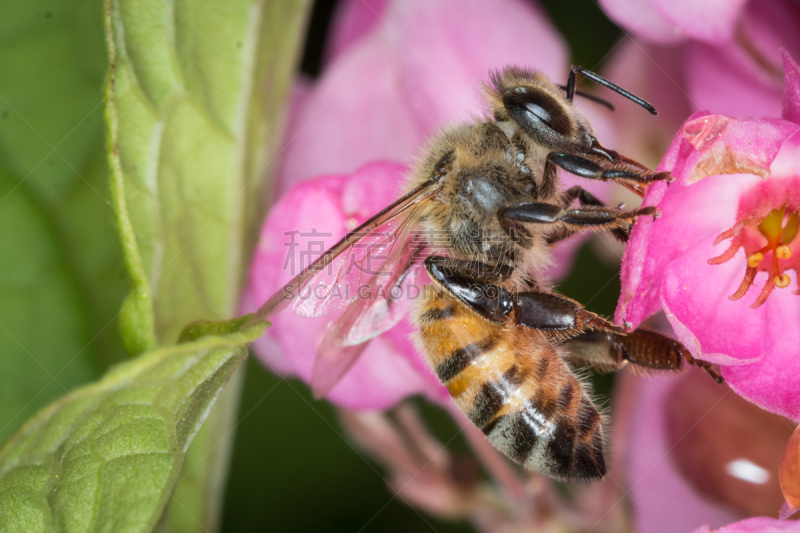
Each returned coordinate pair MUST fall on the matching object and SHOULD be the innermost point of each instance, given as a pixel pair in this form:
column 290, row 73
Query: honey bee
column 493, row 330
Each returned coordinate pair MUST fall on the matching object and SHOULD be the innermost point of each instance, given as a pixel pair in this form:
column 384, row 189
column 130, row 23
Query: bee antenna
column 590, row 96
column 605, row 83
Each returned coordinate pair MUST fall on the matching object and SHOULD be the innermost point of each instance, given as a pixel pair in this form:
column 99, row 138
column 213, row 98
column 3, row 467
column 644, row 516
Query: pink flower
column 698, row 456
column 790, row 475
column 733, row 178
column 655, row 73
column 759, row 524
column 711, row 21
column 729, row 50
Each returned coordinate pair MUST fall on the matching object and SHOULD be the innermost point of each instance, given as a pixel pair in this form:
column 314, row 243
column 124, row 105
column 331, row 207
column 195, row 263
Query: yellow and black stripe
column 513, row 385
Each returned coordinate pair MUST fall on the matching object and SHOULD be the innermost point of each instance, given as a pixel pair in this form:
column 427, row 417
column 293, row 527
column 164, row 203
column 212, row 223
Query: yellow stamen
column 754, row 259
column 780, row 229
column 782, row 281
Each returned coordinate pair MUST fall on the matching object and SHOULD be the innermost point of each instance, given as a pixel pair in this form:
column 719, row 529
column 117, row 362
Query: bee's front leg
column 616, row 170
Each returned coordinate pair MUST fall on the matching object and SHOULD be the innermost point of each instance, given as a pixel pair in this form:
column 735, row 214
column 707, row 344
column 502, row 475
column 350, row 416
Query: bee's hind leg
column 557, row 315
column 643, row 348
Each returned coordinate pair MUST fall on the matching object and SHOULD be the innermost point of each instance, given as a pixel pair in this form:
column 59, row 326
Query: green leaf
column 189, row 141
column 61, row 281
column 106, row 457
column 196, row 93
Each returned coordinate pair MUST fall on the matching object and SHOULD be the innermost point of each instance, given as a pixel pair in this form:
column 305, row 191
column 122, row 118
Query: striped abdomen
column 512, row 383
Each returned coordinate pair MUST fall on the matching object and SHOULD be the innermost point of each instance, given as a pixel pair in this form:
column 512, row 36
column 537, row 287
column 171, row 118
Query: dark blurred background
column 295, row 470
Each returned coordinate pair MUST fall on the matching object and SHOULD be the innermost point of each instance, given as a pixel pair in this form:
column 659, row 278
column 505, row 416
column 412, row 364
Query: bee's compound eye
column 536, row 111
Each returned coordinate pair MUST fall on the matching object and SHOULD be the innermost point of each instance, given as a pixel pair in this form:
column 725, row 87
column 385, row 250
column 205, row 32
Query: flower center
column 768, row 246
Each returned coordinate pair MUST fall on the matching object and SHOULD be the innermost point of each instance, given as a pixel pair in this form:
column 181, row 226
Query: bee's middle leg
column 567, row 222
column 585, row 198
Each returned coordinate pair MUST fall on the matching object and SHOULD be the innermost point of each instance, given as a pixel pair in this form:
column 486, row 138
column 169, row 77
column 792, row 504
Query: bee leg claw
column 651, row 210
column 663, row 176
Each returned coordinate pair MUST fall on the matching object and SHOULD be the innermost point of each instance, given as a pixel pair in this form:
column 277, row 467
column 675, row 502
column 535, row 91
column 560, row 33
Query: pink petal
column 314, row 205
column 791, row 88
column 637, row 300
column 654, row 73
column 443, row 61
column 724, row 81
column 707, row 20
column 728, row 145
column 773, row 383
column 787, row 161
column 712, row 21
column 768, row 26
column 289, row 345
column 681, row 156
column 744, row 78
column 786, row 512
column 759, row 524
column 690, row 215
column 382, row 377
column 642, row 19
column 695, row 299
column 691, row 434
column 373, row 187
column 706, row 144
column 354, row 114
column 353, row 20
column 662, row 499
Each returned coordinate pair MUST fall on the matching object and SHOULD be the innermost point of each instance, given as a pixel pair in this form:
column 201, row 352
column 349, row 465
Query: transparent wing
column 371, row 260
column 332, row 281
column 367, row 274
column 378, row 309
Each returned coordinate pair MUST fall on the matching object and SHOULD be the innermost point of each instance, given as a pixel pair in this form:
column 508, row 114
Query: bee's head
column 540, row 108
